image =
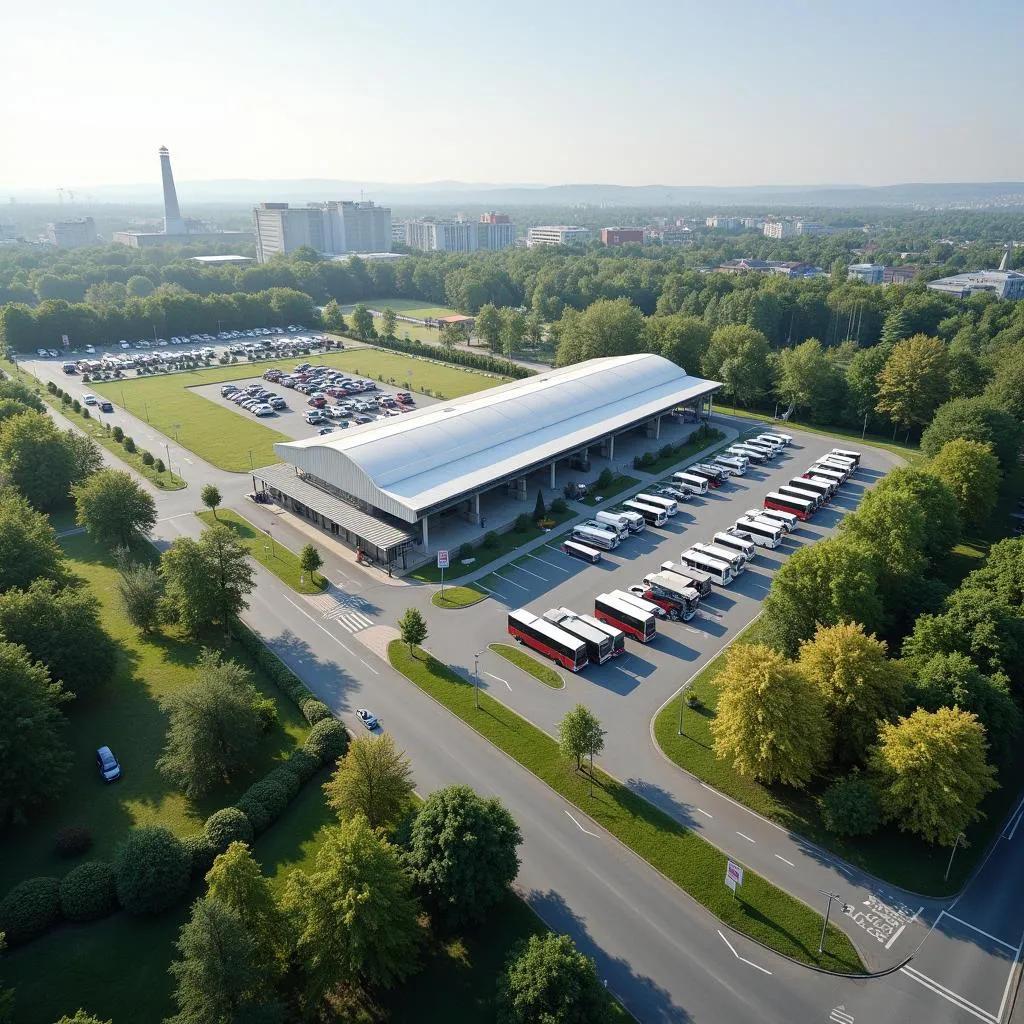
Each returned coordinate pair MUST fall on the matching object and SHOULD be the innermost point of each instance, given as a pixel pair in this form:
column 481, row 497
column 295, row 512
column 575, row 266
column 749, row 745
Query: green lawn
column 617, row 486
column 406, row 307
column 545, row 673
column 166, row 481
column 889, row 854
column 762, row 911
column 415, row 373
column 457, row 597
column 664, row 462
column 270, row 553
column 125, row 715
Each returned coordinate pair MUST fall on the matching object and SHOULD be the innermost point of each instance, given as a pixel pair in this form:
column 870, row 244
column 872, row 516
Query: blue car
column 110, row 770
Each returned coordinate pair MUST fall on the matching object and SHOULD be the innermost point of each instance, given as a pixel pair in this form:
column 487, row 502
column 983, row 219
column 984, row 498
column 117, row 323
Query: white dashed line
column 705, row 813
column 784, row 861
column 748, row 839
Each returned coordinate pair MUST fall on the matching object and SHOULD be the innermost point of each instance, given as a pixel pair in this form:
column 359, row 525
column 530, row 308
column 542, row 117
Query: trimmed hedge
column 456, row 357
column 315, row 711
column 304, row 764
column 256, row 811
column 29, row 909
column 88, row 892
column 153, row 869
column 199, row 852
column 263, row 803
column 327, row 741
column 288, row 780
column 226, row 826
column 72, row 840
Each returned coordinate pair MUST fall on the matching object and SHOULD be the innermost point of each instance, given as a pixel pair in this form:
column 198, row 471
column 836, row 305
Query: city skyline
column 676, row 95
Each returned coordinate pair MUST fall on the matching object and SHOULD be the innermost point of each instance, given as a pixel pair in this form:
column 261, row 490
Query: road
column 662, row 954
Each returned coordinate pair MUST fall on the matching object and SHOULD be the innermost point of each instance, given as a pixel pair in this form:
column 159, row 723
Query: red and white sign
column 733, row 875
column 442, row 558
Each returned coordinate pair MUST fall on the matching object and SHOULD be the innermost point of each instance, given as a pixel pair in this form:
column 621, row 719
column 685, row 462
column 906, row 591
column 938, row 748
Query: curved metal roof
column 415, row 462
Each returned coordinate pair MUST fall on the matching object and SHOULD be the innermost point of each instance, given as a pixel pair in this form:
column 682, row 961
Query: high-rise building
column 556, row 234
column 73, row 233
column 495, row 231
column 719, row 223
column 332, row 228
column 779, row 229
column 398, row 231
column 622, row 236
column 432, row 235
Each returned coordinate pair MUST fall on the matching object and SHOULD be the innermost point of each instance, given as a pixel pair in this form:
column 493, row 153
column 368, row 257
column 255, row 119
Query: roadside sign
column 733, row 875
column 64, row 340
column 442, row 558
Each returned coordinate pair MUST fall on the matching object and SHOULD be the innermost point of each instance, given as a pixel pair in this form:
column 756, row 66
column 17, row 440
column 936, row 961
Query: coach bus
column 762, row 532
column 843, row 453
column 818, row 484
column 618, row 638
column 599, row 643
column 700, row 581
column 730, row 540
column 631, row 620
column 799, row 507
column 606, row 540
column 734, row 559
column 691, row 480
column 719, row 571
column 658, row 501
column 828, row 472
column 786, row 520
column 542, row 636
column 582, row 551
column 840, row 463
column 804, row 493
column 652, row 515
column 714, row 475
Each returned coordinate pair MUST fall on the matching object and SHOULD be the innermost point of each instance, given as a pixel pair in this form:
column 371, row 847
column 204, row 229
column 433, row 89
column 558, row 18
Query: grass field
column 224, row 438
column 617, row 486
column 458, row 597
column 271, row 554
column 889, row 854
column 406, row 307
column 544, row 673
column 762, row 911
column 125, row 715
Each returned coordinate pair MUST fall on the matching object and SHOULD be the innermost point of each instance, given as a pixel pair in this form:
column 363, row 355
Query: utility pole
column 865, row 430
column 476, row 679
column 682, row 704
column 167, row 452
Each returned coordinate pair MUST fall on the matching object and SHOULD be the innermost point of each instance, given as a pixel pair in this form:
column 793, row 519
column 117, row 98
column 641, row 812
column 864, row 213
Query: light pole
column 865, row 430
column 682, row 702
column 167, row 452
column 591, row 771
column 476, row 679
column 960, row 839
column 824, row 924
column 251, row 464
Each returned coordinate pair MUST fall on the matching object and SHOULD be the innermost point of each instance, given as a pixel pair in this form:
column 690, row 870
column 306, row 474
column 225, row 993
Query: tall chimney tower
column 173, row 224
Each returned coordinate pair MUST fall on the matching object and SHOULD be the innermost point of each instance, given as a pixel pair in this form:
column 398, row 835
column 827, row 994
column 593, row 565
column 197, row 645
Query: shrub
column 85, row 414
column 159, row 466
column 29, row 909
column 303, row 764
column 465, row 551
column 153, row 870
column 51, row 387
column 129, row 444
column 647, row 459
column 147, row 458
column 88, row 892
column 226, row 826
column 118, row 434
column 86, row 378
column 558, row 506
column 314, row 711
column 263, row 803
column 849, row 807
column 327, row 741
column 72, row 840
column 199, row 853
column 76, row 405
column 605, row 478
column 287, row 779
column 522, row 523
column 266, row 712
column 490, row 540
column 666, row 451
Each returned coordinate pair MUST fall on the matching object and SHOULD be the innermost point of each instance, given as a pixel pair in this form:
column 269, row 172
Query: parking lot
column 547, row 578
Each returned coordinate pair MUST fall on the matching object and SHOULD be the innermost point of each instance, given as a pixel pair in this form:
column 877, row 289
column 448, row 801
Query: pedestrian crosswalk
column 348, row 610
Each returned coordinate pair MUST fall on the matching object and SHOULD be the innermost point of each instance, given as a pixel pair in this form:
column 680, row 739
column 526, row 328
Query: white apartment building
column 495, row 231
column 72, row 234
column 556, row 234
column 718, row 223
column 398, row 231
column 432, row 235
column 331, row 228
column 869, row 273
column 779, row 229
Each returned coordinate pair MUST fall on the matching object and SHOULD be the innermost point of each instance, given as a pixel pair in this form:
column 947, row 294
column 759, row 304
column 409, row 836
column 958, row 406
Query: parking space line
column 551, row 564
column 1009, row 978
column 482, row 587
column 500, row 577
column 967, row 924
column 705, row 813
column 500, row 680
column 512, row 565
column 949, row 995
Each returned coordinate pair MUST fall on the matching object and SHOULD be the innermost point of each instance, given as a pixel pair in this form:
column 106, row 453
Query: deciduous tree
column 682, row 339
column 362, row 322
column 513, row 326
column 738, row 356
column 607, row 327
column 310, row 560
column 462, row 852
column 35, row 457
column 28, row 545
column 86, row 457
column 809, row 380
column 975, row 419
column 971, row 471
column 771, row 722
column 488, row 326
column 891, row 524
column 388, row 319
column 580, row 734
column 933, row 773
column 141, row 588
column 914, row 381
column 114, row 508
column 210, row 497
column 936, row 502
column 412, row 627
column 374, row 779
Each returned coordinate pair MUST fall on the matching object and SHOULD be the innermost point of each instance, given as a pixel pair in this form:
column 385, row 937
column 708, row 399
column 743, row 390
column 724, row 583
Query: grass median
column 271, row 554
column 545, row 673
column 760, row 910
column 617, row 486
column 457, row 597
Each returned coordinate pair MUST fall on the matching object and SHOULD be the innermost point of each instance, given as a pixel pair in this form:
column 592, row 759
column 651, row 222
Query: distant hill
column 443, row 193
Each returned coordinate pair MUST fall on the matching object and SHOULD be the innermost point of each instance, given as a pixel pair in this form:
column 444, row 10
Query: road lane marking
column 1013, row 820
column 967, row 924
column 500, row 680
column 1013, row 968
column 895, row 935
column 546, row 562
column 512, row 565
column 736, row 803
column 702, row 811
column 581, row 828
column 180, row 515
column 748, row 839
column 949, row 995
column 732, row 949
column 319, row 626
column 840, row 1016
column 784, row 861
column 500, row 577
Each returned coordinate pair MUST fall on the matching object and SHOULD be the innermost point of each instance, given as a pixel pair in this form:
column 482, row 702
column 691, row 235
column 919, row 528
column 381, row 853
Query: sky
column 671, row 92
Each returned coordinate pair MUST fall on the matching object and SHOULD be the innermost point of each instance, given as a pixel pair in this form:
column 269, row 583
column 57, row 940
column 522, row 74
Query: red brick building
column 622, row 236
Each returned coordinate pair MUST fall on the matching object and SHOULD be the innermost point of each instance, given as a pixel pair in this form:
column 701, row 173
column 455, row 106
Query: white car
column 368, row 718
column 263, row 410
column 89, row 399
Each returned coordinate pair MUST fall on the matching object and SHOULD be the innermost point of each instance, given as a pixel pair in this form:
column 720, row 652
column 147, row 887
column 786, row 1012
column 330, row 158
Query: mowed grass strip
column 617, row 486
column 457, row 597
column 545, row 673
column 407, row 307
column 416, row 373
column 270, row 553
column 760, row 910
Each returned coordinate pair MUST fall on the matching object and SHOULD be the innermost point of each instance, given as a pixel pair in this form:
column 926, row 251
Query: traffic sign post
column 442, row 564
column 733, row 876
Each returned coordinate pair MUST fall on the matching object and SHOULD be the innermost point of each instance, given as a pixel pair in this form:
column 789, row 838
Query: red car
column 318, row 401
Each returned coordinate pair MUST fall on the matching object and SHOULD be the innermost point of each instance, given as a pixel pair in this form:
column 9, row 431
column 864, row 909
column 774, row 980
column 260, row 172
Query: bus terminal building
column 403, row 487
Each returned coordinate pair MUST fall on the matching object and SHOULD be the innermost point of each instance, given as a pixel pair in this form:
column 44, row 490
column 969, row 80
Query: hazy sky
column 675, row 92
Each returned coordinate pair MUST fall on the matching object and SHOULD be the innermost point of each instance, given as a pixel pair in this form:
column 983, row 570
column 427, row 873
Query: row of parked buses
column 803, row 495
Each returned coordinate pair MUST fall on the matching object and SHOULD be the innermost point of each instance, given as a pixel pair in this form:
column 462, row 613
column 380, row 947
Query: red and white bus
column 631, row 620
column 618, row 637
column 548, row 639
column 784, row 503
column 599, row 643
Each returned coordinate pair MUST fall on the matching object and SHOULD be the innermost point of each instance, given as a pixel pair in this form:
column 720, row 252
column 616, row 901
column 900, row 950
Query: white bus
column 672, row 592
column 715, row 475
column 743, row 452
column 763, row 451
column 607, row 540
column 652, row 514
column 659, row 501
column 816, row 499
column 785, row 519
column 599, row 643
column 734, row 463
column 698, row 484
column 828, row 472
column 783, row 439
column 840, row 463
column 826, row 488
column 772, row 450
column 635, row 521
column 639, row 603
column 616, row 520
column 735, row 543
column 699, row 580
column 617, row 636
column 733, row 559
column 760, row 531
column 799, row 507
column 597, row 524
column 719, row 571
column 843, row 453
column 581, row 551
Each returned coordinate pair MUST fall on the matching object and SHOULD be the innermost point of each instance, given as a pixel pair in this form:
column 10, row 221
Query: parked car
column 314, row 417
column 106, row 763
column 106, row 406
column 367, row 717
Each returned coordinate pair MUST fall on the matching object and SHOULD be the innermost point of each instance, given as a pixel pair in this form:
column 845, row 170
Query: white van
column 697, row 484
column 616, row 520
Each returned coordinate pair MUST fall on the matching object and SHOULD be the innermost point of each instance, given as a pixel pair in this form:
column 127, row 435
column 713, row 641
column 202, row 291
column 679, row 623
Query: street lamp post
column 252, row 465
column 591, row 773
column 961, row 839
column 682, row 703
column 824, row 924
column 476, row 679
column 167, row 452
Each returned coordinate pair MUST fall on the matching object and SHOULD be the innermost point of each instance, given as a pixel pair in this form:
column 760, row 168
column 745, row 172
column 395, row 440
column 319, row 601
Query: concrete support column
column 552, row 474
column 711, row 404
column 611, row 448
column 426, row 532
column 476, row 507
column 657, row 428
